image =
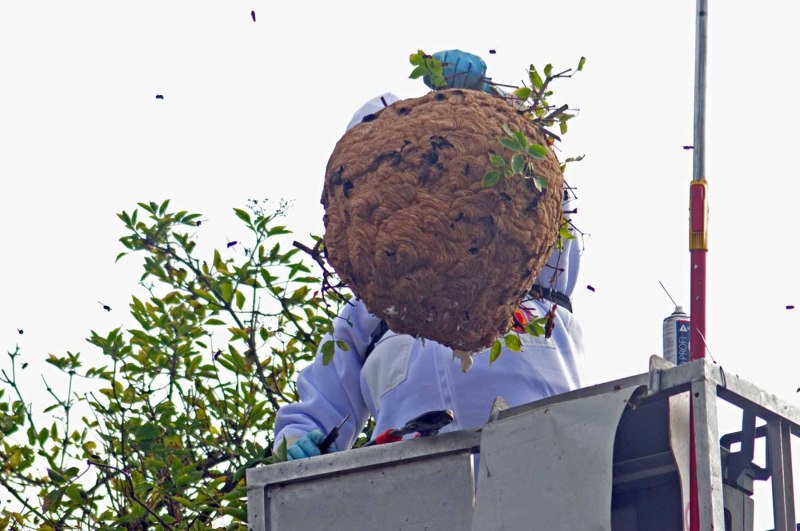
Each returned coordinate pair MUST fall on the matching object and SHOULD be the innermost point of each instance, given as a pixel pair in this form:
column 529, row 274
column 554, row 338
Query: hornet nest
column 413, row 232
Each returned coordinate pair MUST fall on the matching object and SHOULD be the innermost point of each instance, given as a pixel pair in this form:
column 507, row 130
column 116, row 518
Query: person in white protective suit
column 399, row 377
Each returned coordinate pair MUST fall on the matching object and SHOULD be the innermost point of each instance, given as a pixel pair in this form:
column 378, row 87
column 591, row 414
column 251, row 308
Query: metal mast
column 698, row 234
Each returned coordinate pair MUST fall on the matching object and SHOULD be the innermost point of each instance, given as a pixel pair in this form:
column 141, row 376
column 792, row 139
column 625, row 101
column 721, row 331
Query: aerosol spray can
column 677, row 328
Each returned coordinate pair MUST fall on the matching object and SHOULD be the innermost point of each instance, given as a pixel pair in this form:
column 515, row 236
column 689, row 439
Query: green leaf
column 563, row 231
column 537, row 151
column 523, row 93
column 548, row 70
column 438, row 81
column 226, row 364
column 236, row 513
column 328, row 350
column 511, row 144
column 562, row 126
column 278, row 230
column 581, row 63
column 521, row 138
column 497, row 348
column 52, row 500
column 417, row 58
column 490, row 178
column 433, row 63
column 281, row 452
column 342, row 345
column 299, row 294
column 536, row 327
column 43, row 435
column 507, row 130
column 418, row 72
column 215, row 322
column 73, row 492
column 540, row 182
column 226, row 290
column 56, row 477
column 183, row 501
column 535, row 78
column 240, row 299
column 497, row 160
column 575, row 159
column 218, row 263
column 147, row 432
column 163, row 208
column 512, row 342
column 243, row 215
column 517, row 164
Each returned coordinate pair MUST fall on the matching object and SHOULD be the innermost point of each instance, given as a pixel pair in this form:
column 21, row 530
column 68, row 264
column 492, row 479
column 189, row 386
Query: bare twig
column 540, row 94
column 554, row 113
column 496, row 84
column 316, row 255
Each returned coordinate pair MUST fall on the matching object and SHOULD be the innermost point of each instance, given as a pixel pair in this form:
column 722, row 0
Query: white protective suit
column 404, row 377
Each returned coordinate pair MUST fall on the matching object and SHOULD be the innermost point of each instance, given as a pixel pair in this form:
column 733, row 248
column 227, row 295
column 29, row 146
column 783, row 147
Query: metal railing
column 611, row 456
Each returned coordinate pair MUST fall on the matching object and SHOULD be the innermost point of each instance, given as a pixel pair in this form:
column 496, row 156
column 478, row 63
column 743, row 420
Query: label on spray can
column 677, row 328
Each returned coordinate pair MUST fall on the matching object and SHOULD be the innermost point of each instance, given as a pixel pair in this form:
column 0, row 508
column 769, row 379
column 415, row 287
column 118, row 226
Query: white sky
column 253, row 110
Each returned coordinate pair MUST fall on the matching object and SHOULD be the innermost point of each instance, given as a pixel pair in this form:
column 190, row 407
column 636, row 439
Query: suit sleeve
column 330, row 392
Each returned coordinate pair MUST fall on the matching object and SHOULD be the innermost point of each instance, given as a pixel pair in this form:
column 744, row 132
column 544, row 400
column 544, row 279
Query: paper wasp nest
column 413, row 232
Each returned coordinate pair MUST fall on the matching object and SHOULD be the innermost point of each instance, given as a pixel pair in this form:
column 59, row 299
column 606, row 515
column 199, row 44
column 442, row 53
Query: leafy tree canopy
column 160, row 434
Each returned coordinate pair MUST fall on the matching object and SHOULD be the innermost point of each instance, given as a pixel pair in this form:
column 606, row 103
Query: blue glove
column 308, row 446
column 462, row 70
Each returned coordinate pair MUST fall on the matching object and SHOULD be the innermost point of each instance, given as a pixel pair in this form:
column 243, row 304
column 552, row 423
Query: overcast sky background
column 254, row 109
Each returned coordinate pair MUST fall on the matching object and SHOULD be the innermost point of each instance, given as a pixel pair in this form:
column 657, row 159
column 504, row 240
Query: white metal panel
column 550, row 468
column 430, row 494
column 413, row 485
column 679, row 442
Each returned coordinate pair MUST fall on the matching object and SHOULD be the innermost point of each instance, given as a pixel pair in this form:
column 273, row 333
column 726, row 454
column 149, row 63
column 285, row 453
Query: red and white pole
column 698, row 237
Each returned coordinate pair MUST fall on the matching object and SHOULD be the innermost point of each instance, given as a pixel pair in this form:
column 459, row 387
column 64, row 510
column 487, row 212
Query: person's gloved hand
column 461, row 70
column 308, row 446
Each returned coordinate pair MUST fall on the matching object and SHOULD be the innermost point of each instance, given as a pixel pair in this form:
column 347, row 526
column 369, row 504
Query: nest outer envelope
column 413, row 232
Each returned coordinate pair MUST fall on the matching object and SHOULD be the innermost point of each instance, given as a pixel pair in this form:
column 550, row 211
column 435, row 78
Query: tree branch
column 132, row 494
column 13, row 491
column 554, row 113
